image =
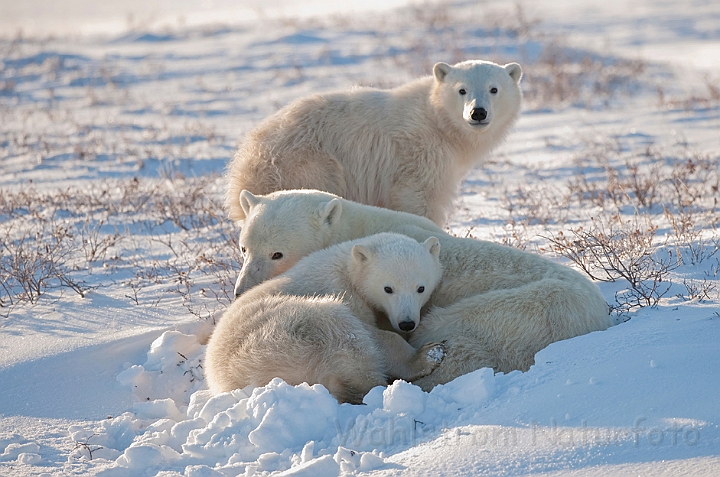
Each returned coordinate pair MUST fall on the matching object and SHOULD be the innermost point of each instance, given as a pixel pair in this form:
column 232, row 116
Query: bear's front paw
column 436, row 353
column 425, row 360
column 429, row 357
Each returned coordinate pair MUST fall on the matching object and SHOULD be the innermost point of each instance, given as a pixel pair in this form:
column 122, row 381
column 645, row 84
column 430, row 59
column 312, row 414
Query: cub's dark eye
column 276, row 256
column 388, row 290
column 243, row 250
column 421, row 289
column 462, row 92
column 493, row 90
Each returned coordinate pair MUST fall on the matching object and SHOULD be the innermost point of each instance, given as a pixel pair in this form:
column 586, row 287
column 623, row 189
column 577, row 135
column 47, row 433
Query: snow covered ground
column 118, row 119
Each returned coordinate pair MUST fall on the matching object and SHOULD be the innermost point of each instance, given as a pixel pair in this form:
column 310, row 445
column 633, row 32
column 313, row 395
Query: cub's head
column 478, row 94
column 280, row 229
column 396, row 274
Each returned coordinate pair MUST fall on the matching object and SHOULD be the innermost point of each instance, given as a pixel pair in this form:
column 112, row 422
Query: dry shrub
column 621, row 178
column 535, row 203
column 562, row 76
column 641, row 212
column 515, row 235
column 620, row 249
column 96, row 244
column 50, row 237
column 646, row 178
column 35, row 260
column 700, row 290
column 691, row 244
column 709, row 98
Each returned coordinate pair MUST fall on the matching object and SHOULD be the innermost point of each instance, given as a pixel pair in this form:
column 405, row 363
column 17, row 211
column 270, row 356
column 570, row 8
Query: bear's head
column 280, row 229
column 478, row 95
column 396, row 275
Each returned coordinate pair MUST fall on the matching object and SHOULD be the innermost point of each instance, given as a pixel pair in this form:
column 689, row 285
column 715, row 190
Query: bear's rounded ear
column 515, row 71
column 361, row 253
column 440, row 71
column 330, row 212
column 432, row 245
column 248, row 201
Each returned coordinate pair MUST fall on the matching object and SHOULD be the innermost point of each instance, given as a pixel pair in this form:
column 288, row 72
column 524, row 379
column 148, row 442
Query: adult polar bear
column 317, row 322
column 404, row 149
column 496, row 306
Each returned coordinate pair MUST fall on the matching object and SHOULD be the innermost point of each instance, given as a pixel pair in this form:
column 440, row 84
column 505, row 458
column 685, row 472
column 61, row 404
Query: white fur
column 298, row 339
column 496, row 306
column 281, row 221
column 281, row 329
column 405, row 149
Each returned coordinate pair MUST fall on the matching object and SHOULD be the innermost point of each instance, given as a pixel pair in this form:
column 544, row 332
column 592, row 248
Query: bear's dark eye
column 421, row 289
column 276, row 256
column 462, row 91
column 243, row 250
column 388, row 290
column 493, row 90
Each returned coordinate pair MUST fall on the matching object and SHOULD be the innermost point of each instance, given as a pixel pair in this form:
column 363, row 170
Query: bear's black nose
column 478, row 114
column 407, row 325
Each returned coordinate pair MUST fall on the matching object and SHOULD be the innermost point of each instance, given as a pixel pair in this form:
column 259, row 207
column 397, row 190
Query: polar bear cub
column 495, row 306
column 315, row 340
column 405, row 149
column 317, row 323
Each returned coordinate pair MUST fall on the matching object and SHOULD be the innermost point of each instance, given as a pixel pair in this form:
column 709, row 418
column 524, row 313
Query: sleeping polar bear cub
column 495, row 306
column 405, row 148
column 317, row 323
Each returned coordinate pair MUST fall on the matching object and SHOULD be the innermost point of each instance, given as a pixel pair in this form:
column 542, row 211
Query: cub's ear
column 248, row 201
column 361, row 253
column 515, row 71
column 330, row 212
column 440, row 71
column 433, row 246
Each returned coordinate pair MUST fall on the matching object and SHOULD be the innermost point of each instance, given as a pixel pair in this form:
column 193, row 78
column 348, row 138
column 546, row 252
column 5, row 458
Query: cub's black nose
column 478, row 114
column 407, row 325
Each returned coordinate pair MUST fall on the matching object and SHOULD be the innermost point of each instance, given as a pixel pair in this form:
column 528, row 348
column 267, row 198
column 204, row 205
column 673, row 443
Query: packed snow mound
column 173, row 370
column 574, row 404
column 21, row 452
column 302, row 430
